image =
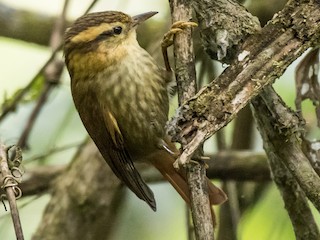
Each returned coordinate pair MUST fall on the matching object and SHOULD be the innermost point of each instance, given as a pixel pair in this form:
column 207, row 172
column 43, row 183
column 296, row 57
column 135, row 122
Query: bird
column 121, row 95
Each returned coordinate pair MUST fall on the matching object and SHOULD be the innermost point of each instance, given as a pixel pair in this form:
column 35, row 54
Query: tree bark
column 264, row 57
column 202, row 215
column 280, row 129
column 85, row 197
column 84, row 201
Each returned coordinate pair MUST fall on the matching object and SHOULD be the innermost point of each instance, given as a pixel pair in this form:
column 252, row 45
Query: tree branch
column 52, row 73
column 264, row 57
column 202, row 214
column 230, row 165
column 281, row 132
column 224, row 24
column 84, row 200
column 20, row 24
column 40, row 179
column 11, row 106
column 10, row 185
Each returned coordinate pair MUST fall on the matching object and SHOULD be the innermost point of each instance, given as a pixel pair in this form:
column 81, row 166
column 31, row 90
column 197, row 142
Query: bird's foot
column 167, row 40
column 176, row 27
column 183, row 161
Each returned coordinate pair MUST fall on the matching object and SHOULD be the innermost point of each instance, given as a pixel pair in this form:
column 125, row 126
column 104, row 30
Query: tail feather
column 163, row 161
column 166, row 168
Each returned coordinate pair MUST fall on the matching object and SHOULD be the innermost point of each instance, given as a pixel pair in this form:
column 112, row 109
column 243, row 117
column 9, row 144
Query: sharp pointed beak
column 142, row 17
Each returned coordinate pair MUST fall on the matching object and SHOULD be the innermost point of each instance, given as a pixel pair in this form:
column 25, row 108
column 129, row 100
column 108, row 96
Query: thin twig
column 52, row 74
column 53, row 151
column 187, row 87
column 17, row 99
column 230, row 165
column 9, row 183
column 13, row 105
column 230, row 213
column 91, row 6
column 232, row 191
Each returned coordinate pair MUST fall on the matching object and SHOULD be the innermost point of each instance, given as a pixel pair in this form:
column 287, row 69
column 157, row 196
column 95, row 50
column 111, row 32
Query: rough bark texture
column 84, row 200
column 202, row 214
column 281, row 132
column 9, row 185
column 222, row 32
column 82, row 204
column 285, row 141
column 264, row 57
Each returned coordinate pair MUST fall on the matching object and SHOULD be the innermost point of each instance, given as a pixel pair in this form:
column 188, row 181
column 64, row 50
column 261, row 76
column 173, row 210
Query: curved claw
column 184, row 24
column 167, row 40
column 175, row 28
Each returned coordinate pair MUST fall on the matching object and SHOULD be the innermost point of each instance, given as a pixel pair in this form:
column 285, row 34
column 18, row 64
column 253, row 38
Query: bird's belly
column 141, row 114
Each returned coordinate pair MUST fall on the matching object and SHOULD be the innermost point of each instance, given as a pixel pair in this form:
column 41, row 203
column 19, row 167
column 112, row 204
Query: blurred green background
column 58, row 125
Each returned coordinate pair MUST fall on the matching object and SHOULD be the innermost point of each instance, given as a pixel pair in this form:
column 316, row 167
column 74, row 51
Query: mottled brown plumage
column 121, row 96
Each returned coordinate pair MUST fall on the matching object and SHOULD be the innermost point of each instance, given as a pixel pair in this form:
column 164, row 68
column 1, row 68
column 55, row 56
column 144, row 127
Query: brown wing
column 123, row 165
column 103, row 129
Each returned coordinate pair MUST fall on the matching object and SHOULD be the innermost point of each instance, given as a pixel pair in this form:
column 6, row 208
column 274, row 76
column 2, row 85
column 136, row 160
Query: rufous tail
column 163, row 161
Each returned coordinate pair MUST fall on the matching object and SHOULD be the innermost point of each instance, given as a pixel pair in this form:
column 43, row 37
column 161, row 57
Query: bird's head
column 102, row 31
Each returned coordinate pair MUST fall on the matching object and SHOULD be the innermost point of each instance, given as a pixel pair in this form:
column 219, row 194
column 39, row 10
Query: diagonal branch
column 281, row 132
column 85, row 200
column 264, row 57
column 52, row 74
column 9, row 108
column 228, row 165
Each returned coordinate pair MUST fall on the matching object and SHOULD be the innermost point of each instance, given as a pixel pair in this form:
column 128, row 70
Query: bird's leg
column 169, row 149
column 203, row 159
column 172, row 153
column 167, row 40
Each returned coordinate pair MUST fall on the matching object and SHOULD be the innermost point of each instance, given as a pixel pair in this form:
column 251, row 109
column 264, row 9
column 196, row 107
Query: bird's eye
column 117, row 30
